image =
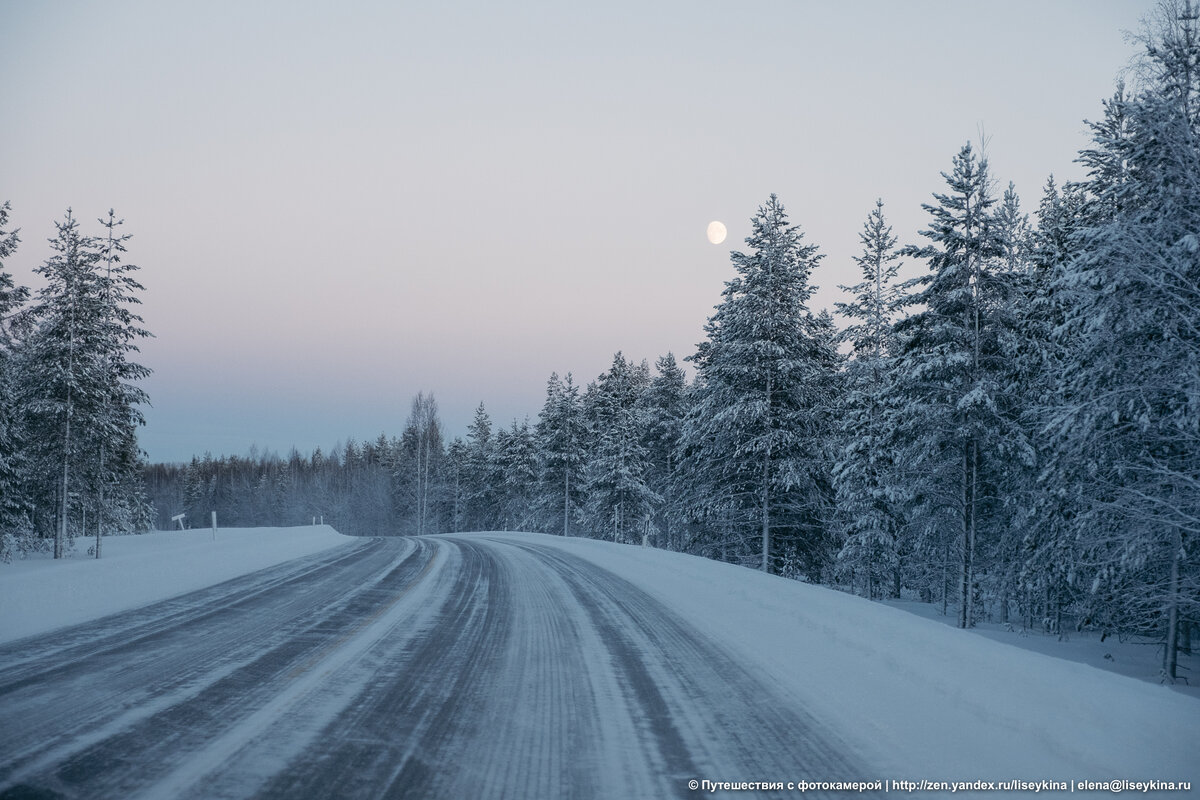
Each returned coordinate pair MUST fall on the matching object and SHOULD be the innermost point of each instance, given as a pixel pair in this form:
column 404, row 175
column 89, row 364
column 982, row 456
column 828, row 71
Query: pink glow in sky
column 337, row 206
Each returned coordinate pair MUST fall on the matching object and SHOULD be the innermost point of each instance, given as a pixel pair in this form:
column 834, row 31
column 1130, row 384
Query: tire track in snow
column 703, row 713
column 455, row 666
column 497, row 698
column 542, row 676
column 390, row 741
column 37, row 658
column 129, row 743
column 300, row 685
column 115, row 676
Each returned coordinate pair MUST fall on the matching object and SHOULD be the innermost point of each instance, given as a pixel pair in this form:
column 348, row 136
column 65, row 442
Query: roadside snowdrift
column 40, row 594
column 925, row 700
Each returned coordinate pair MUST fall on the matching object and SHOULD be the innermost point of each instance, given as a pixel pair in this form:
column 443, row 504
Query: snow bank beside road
column 924, row 700
column 40, row 594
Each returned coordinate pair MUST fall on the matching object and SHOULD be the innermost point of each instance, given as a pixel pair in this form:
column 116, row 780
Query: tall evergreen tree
column 560, row 432
column 121, row 496
column 517, row 473
column 665, row 402
column 1129, row 395
column 863, row 474
column 456, row 466
column 749, row 439
column 79, row 387
column 618, row 499
column 958, row 419
column 1041, row 549
column 481, row 475
column 67, row 385
column 13, row 505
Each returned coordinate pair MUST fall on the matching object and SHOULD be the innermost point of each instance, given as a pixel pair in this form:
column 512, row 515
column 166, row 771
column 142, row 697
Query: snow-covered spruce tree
column 456, row 466
column 665, row 404
column 618, row 501
column 1019, row 373
column 517, row 473
column 1054, row 575
column 814, row 542
column 53, row 359
column 752, row 445
column 1014, row 233
column 80, row 386
column 1042, row 560
column 120, row 489
column 958, row 421
column 862, row 474
column 560, row 432
column 481, row 476
column 14, row 508
column 1130, row 392
column 78, row 383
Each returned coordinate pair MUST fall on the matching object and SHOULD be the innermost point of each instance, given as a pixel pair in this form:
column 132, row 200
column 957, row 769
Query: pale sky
column 336, row 206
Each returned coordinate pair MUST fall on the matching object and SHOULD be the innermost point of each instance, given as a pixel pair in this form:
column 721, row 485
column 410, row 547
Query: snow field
column 39, row 594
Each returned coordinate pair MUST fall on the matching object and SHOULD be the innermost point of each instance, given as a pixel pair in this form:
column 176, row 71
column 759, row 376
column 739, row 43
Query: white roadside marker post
column 214, row 520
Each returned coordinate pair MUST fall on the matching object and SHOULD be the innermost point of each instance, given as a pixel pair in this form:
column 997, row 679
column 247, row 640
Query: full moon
column 716, row 232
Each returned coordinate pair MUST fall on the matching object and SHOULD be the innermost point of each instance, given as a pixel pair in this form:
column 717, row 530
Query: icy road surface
column 437, row 667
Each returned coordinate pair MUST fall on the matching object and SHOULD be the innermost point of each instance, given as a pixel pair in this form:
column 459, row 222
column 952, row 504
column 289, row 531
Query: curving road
column 445, row 666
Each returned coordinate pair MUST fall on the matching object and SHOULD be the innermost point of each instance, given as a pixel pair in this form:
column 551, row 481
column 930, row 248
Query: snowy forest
column 1014, row 434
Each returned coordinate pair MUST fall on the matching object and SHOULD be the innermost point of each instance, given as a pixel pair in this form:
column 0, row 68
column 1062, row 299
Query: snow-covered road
column 466, row 666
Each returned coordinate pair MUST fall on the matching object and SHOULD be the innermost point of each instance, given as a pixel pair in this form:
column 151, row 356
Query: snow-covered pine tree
column 517, row 470
column 958, row 420
column 195, row 491
column 1019, row 373
column 122, row 504
column 752, row 446
column 456, row 465
column 14, row 520
column 1013, row 232
column 481, row 476
column 1042, row 558
column 665, row 403
column 618, row 502
column 862, row 474
column 1130, row 392
column 810, row 545
column 66, row 381
column 11, row 295
column 560, row 432
column 79, row 385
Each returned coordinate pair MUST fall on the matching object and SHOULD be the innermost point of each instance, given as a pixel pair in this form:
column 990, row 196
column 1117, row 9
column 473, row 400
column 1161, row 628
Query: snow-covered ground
column 1135, row 657
column 927, row 699
column 39, row 594
column 911, row 698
